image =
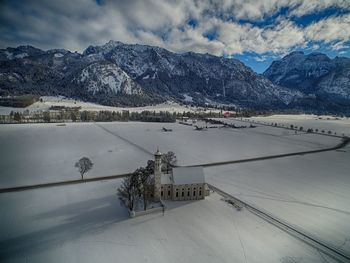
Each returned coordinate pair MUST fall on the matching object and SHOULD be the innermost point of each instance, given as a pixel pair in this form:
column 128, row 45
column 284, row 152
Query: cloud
column 330, row 29
column 76, row 24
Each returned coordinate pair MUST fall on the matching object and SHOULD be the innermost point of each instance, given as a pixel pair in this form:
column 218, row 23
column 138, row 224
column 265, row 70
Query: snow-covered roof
column 188, row 175
column 166, row 179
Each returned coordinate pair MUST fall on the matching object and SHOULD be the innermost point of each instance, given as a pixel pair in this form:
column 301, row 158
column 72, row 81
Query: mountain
column 202, row 77
column 326, row 80
column 60, row 72
column 123, row 74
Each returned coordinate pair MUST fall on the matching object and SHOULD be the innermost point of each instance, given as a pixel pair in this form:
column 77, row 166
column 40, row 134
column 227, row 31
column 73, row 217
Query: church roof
column 166, row 179
column 188, row 175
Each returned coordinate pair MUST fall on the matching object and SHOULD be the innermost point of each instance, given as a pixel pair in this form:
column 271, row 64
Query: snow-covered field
column 215, row 145
column 326, row 123
column 40, row 153
column 85, row 223
column 49, row 101
column 309, row 191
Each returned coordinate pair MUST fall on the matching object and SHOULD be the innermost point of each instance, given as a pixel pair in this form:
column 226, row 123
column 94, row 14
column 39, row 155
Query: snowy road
column 328, row 249
column 344, row 143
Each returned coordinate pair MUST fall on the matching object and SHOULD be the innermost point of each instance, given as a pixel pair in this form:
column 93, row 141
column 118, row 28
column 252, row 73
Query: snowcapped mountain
column 203, row 77
column 118, row 73
column 328, row 80
column 61, row 72
column 109, row 77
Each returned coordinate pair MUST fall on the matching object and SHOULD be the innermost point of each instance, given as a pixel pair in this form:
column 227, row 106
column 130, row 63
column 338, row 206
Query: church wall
column 188, row 192
column 166, row 191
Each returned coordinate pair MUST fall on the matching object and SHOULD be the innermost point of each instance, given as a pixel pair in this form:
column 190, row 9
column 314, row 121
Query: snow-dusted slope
column 314, row 73
column 142, row 74
column 107, row 77
column 201, row 76
column 86, row 223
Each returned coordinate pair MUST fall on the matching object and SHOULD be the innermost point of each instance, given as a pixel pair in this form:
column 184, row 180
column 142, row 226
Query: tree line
column 74, row 115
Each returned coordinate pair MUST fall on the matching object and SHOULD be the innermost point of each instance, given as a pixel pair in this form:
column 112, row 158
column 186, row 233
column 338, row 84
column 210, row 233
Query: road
column 293, row 230
column 345, row 142
column 320, row 245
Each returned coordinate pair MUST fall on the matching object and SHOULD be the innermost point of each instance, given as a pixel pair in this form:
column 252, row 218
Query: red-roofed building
column 228, row 114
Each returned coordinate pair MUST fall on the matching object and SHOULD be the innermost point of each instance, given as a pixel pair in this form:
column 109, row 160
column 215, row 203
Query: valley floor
column 311, row 192
column 43, row 153
column 326, row 123
column 85, row 222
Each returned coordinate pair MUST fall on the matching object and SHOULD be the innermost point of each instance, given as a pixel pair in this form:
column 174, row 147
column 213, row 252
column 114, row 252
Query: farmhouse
column 181, row 183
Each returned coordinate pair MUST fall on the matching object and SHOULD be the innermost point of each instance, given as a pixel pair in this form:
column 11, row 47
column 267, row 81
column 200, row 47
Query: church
column 181, row 183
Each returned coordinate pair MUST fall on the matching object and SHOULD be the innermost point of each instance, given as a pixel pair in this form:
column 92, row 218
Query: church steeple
column 157, row 174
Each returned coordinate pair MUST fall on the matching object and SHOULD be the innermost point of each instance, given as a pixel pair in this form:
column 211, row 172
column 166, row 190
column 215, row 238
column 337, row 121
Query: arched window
column 177, row 193
column 169, row 193
column 161, row 193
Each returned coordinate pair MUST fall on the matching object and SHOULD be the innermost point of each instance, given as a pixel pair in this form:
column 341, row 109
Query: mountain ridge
column 131, row 74
column 314, row 73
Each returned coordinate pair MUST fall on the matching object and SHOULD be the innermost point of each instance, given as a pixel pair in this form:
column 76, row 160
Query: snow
column 39, row 153
column 125, row 146
column 21, row 55
column 309, row 191
column 42, row 153
column 188, row 98
column 146, row 77
column 339, row 125
column 86, row 223
column 11, row 56
column 188, row 175
column 101, row 76
column 214, row 145
column 58, row 55
column 48, row 101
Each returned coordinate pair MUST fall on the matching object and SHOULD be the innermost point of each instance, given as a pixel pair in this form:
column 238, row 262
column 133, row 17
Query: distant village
column 63, row 113
column 57, row 114
column 60, row 113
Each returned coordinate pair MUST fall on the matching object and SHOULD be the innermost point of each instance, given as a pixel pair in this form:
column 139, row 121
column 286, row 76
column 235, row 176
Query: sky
column 253, row 31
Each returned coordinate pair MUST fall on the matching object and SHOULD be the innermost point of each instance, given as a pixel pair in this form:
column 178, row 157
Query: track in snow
column 320, row 245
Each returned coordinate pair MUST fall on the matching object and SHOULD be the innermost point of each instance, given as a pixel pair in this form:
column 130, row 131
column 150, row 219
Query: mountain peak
column 294, row 53
column 314, row 73
column 318, row 56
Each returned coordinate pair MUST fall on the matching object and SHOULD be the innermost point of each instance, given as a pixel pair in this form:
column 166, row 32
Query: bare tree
column 146, row 182
column 168, row 160
column 128, row 192
column 137, row 186
column 84, row 165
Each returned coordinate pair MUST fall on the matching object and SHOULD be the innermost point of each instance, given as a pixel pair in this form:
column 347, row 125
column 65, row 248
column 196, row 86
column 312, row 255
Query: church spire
column 157, row 174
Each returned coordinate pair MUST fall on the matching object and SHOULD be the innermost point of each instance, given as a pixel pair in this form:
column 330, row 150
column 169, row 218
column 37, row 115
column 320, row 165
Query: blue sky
column 255, row 32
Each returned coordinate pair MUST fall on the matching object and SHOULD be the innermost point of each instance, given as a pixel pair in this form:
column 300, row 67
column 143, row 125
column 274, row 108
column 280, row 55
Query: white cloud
column 329, row 30
column 76, row 24
column 340, row 45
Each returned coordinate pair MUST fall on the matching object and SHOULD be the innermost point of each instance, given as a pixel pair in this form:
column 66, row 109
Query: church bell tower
column 157, row 174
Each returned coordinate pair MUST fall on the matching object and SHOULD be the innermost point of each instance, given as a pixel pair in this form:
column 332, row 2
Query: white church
column 182, row 183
